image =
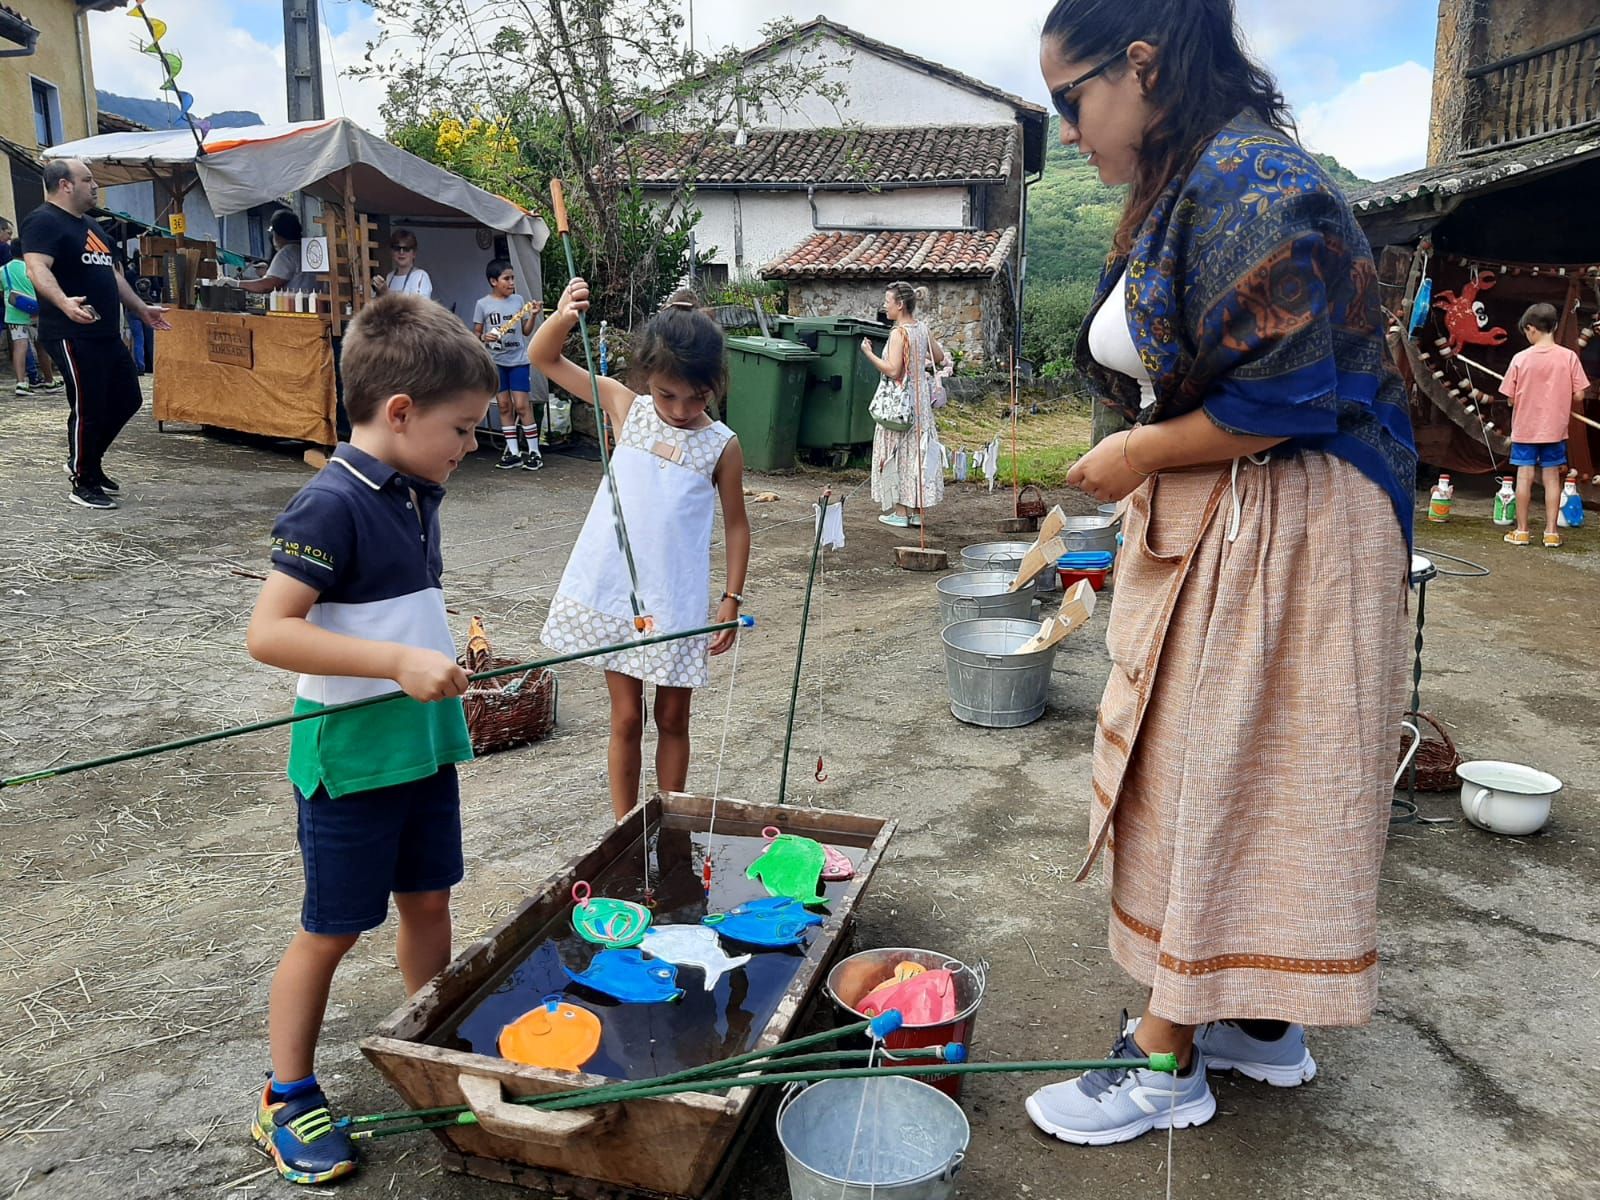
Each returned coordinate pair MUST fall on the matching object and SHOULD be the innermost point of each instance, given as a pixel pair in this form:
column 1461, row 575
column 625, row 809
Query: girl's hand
column 573, row 301
column 728, row 610
column 1103, row 472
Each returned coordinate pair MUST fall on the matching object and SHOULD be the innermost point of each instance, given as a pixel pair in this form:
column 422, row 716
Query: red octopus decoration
column 1467, row 319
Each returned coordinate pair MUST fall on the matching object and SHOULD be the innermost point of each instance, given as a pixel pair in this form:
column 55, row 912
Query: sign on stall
column 231, row 345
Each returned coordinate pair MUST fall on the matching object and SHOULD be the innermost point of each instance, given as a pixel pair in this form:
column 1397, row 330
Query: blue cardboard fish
column 772, row 923
column 628, row 976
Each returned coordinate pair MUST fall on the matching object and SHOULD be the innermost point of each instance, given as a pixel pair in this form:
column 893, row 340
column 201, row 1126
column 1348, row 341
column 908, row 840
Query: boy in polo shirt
column 354, row 604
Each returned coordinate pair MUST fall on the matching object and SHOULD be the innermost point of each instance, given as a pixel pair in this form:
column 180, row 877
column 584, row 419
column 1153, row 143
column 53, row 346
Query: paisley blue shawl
column 1252, row 294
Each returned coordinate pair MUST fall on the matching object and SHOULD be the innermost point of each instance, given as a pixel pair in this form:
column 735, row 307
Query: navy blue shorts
column 514, row 379
column 1539, row 454
column 359, row 848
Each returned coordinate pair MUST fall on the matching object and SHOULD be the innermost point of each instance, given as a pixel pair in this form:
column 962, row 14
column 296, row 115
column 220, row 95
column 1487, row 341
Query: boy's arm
column 280, row 636
column 544, row 354
column 729, row 478
column 527, row 324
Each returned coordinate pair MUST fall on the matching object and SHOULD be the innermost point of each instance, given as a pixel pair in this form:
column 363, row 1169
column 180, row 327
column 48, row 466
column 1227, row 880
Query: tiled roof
column 14, row 27
column 1477, row 172
column 110, row 122
column 909, row 253
column 798, row 157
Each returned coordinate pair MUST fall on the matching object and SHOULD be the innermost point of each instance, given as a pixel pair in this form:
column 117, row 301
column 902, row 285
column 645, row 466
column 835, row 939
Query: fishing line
column 716, row 785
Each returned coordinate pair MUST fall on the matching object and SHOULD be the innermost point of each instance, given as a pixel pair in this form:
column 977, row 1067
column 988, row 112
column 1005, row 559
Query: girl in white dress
column 673, row 464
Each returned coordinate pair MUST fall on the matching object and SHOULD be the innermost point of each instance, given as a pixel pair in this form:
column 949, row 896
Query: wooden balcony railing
column 1536, row 93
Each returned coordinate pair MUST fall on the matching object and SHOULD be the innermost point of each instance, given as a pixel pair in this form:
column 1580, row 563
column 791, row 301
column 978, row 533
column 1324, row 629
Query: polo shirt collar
column 373, row 472
column 376, row 473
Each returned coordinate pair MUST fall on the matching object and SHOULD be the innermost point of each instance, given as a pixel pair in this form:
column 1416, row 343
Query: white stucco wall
column 882, row 92
column 775, row 223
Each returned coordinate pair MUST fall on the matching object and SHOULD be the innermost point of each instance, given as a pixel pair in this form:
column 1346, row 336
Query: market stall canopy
column 262, row 163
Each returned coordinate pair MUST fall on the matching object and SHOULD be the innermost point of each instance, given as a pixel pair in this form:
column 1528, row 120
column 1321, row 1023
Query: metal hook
column 822, row 776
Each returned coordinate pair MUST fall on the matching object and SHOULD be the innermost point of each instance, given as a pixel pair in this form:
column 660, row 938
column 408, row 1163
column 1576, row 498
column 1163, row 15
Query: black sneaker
column 90, row 497
column 532, row 460
column 509, row 460
column 109, row 485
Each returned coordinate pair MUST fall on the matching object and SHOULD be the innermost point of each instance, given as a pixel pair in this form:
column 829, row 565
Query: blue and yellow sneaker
column 299, row 1135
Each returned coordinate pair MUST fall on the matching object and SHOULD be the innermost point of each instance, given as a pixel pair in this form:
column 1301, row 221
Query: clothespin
column 1035, row 560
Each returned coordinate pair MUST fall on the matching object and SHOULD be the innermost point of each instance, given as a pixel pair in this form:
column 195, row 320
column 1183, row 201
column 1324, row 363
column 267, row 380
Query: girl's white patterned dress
column 669, row 503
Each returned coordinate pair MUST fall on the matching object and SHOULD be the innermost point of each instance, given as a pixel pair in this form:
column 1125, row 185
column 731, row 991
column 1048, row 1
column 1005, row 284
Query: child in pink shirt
column 1544, row 383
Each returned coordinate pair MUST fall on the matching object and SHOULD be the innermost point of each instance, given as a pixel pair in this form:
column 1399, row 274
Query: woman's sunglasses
column 1062, row 98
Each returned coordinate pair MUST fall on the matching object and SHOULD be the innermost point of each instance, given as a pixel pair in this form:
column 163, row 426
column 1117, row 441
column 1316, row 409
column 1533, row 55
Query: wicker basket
column 1030, row 503
column 512, row 710
column 1437, row 759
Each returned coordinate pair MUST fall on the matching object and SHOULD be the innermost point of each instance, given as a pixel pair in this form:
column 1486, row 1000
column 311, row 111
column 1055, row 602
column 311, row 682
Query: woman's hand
column 866, row 347
column 574, row 300
column 728, row 610
column 1104, row 472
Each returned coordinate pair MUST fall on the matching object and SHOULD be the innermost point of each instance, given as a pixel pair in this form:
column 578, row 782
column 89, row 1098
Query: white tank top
column 1111, row 344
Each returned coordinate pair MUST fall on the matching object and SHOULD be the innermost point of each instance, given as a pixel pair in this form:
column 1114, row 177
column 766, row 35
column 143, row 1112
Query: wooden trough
column 669, row 1148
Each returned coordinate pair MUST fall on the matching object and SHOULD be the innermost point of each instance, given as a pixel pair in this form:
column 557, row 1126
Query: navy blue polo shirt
column 366, row 538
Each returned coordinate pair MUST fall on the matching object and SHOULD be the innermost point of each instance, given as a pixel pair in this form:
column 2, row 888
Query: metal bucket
column 990, row 684
column 1089, row 533
column 1111, row 513
column 872, row 1139
column 994, row 556
column 974, row 595
column 853, row 977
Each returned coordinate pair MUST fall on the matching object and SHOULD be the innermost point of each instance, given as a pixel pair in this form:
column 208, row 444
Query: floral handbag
column 891, row 405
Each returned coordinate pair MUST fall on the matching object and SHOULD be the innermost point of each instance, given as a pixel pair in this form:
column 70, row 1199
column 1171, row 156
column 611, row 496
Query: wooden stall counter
column 272, row 376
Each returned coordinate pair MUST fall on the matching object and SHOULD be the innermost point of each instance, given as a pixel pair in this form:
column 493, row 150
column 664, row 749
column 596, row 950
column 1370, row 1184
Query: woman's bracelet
column 735, row 597
column 1126, row 438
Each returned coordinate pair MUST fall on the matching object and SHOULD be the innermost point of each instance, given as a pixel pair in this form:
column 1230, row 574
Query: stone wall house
column 916, row 156
column 969, row 306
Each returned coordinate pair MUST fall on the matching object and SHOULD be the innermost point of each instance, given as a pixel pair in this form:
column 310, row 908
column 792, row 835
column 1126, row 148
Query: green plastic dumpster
column 766, row 388
column 835, row 415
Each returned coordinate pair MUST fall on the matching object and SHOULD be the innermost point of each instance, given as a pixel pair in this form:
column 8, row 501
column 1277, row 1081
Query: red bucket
column 852, row 978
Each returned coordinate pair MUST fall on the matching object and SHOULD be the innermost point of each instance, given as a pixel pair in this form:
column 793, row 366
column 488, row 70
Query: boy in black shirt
column 80, row 294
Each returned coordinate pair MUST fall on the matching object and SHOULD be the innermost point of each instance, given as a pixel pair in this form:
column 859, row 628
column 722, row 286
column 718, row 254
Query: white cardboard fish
column 692, row 946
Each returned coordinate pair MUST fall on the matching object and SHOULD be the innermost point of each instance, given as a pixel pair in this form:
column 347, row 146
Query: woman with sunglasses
column 1247, row 734
column 406, row 276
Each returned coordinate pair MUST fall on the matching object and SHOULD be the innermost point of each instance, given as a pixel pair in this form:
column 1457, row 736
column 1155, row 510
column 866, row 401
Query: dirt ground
column 144, row 905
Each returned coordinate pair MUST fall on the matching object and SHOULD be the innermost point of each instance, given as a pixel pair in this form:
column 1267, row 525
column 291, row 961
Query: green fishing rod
column 641, row 620
column 800, row 651
column 647, row 1089
column 350, row 706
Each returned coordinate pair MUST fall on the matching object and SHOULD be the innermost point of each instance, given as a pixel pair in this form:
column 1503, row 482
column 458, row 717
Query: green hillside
column 1072, row 217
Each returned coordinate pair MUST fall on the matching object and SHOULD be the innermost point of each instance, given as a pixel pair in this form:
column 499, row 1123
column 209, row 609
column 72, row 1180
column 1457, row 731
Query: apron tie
column 1259, row 460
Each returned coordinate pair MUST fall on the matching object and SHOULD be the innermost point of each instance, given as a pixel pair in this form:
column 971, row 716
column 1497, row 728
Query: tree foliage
column 513, row 93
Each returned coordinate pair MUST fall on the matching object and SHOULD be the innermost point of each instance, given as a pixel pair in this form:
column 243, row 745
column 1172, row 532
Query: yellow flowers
column 476, row 138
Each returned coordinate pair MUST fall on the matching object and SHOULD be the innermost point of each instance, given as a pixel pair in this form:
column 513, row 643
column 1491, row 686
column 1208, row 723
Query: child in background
column 1543, row 384
column 504, row 304
column 354, row 603
column 673, row 464
column 22, row 325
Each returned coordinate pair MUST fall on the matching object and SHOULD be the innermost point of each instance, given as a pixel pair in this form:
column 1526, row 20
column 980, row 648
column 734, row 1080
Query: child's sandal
column 1552, row 540
column 1517, row 537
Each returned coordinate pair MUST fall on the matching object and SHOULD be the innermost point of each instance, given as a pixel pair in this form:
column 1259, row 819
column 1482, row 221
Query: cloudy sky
column 1357, row 71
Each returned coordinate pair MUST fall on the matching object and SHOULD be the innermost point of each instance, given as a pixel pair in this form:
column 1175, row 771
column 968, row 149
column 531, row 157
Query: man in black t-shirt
column 80, row 294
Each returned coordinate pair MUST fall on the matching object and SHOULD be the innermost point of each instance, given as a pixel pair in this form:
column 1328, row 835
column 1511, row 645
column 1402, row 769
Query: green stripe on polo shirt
column 382, row 745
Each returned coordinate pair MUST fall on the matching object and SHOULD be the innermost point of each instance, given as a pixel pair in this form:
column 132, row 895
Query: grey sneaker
column 1284, row 1062
column 1108, row 1106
